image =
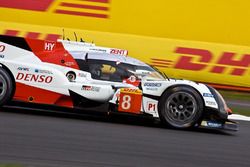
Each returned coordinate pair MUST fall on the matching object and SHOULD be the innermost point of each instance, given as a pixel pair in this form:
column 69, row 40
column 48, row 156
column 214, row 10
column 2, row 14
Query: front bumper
column 227, row 125
column 222, row 111
column 218, row 118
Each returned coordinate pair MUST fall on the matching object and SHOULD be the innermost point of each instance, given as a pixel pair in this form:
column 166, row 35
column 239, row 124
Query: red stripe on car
column 39, row 95
column 46, row 51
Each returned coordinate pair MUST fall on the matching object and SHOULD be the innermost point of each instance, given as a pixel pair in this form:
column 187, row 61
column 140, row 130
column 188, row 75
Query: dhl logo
column 87, row 8
column 132, row 91
column 195, row 59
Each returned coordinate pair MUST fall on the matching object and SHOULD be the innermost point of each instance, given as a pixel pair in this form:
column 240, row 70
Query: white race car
column 82, row 75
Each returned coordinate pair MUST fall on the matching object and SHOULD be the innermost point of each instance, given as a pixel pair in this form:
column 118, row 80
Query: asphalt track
column 55, row 140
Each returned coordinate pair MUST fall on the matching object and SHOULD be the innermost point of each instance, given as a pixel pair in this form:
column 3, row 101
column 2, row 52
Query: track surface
column 40, row 140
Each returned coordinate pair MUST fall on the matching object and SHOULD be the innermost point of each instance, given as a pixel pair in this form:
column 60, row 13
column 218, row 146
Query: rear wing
column 90, row 47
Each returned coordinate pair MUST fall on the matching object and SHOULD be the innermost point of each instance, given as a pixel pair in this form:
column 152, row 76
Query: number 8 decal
column 126, row 102
column 130, row 100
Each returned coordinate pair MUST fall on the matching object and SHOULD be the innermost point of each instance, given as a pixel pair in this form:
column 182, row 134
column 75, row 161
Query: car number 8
column 126, row 99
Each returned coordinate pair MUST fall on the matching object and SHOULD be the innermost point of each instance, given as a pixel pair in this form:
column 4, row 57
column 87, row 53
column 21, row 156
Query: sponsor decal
column 49, row 46
column 2, row 48
column 131, row 90
column 214, row 124
column 23, row 69
column 98, row 50
column 151, row 106
column 212, row 103
column 130, row 100
column 119, row 52
column 91, row 88
column 153, row 84
column 151, row 88
column 82, row 75
column 207, row 95
column 145, row 72
column 43, row 71
column 69, row 63
column 34, row 78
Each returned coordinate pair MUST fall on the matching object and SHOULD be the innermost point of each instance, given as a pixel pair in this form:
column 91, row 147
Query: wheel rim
column 3, row 87
column 181, row 108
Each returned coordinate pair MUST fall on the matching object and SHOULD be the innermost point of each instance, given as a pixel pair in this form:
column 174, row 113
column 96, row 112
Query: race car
column 82, row 75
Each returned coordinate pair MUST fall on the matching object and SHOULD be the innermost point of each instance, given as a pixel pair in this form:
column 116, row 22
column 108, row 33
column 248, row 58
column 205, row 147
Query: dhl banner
column 220, row 21
column 225, row 66
column 148, row 29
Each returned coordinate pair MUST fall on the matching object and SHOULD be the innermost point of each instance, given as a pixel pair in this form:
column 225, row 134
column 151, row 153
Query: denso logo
column 34, row 78
column 2, row 48
column 200, row 59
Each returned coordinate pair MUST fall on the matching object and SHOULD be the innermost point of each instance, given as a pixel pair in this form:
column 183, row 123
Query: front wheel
column 181, row 107
column 6, row 87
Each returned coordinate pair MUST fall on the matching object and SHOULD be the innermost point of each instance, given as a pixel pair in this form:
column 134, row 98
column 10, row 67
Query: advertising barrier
column 223, row 21
column 148, row 29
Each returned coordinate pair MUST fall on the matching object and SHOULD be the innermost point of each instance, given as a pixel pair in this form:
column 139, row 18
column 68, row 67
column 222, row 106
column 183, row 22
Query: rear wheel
column 6, row 87
column 181, row 107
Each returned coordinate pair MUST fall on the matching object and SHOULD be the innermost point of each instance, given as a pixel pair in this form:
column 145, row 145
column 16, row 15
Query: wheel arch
column 12, row 78
column 183, row 85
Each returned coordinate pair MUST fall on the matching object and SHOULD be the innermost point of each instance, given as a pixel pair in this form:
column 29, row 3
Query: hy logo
column 49, row 46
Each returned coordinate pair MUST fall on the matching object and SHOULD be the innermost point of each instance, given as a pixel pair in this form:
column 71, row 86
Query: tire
column 6, row 87
column 181, row 107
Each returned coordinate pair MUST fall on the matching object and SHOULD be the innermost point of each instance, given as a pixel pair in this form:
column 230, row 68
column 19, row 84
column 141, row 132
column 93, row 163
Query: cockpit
column 116, row 68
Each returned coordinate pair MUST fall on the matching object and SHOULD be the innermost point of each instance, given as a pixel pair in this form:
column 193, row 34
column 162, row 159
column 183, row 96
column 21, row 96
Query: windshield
column 149, row 73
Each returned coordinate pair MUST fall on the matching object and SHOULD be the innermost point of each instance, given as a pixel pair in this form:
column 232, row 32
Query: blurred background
column 206, row 41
